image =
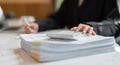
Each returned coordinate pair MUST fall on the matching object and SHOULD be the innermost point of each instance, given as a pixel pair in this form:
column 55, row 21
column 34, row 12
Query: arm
column 57, row 20
column 49, row 24
column 110, row 9
column 107, row 27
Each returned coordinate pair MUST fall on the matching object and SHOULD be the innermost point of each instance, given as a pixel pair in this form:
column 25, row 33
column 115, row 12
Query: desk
column 12, row 54
column 10, row 51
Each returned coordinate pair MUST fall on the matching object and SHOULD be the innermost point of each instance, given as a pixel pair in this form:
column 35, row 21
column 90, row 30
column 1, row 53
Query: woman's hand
column 31, row 28
column 85, row 29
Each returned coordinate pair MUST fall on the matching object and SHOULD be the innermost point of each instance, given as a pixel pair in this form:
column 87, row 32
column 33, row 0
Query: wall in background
column 38, row 8
column 118, row 4
column 58, row 4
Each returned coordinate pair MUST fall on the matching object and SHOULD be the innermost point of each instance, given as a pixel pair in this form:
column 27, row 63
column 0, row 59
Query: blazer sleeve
column 110, row 9
column 107, row 26
column 55, row 21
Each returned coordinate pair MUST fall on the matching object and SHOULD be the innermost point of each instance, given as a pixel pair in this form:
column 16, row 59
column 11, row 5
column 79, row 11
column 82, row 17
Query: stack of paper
column 43, row 48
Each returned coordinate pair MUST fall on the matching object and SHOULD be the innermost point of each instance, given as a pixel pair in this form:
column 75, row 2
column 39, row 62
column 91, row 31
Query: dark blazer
column 70, row 14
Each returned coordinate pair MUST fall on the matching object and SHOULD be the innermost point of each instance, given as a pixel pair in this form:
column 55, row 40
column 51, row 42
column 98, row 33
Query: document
column 44, row 47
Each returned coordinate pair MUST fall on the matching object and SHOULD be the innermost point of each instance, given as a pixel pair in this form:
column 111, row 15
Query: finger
column 90, row 31
column 80, row 27
column 27, row 31
column 35, row 27
column 27, row 28
column 93, row 33
column 86, row 29
column 74, row 29
column 24, row 24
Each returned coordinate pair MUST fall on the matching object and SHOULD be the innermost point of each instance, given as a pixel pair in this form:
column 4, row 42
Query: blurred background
column 17, row 8
column 37, row 9
column 13, row 10
column 40, row 9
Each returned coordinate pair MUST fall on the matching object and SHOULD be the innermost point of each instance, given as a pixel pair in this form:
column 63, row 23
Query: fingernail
column 77, row 30
column 89, row 34
column 84, row 32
